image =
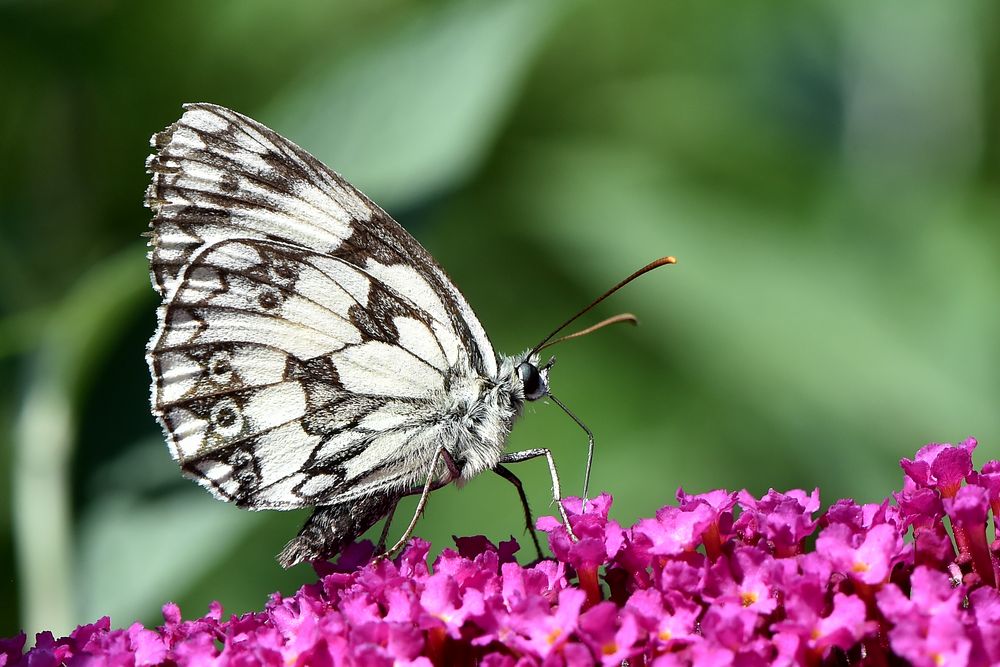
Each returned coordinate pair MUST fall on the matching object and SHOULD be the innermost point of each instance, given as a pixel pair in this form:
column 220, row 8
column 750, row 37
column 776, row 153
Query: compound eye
column 532, row 381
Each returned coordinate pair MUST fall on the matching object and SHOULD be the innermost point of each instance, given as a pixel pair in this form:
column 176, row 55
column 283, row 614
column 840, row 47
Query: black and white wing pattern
column 287, row 378
column 309, row 351
column 217, row 174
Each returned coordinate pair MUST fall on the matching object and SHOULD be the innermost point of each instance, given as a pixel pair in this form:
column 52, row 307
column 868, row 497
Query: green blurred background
column 826, row 174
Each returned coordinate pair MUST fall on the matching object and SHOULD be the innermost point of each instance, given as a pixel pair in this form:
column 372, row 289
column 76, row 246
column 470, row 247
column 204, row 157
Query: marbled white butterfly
column 309, row 352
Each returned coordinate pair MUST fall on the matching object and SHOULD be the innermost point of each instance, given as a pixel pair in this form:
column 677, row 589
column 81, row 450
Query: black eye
column 532, row 381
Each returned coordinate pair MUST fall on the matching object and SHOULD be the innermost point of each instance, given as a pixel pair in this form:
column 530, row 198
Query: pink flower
column 610, row 633
column 729, row 625
column 842, row 627
column 984, row 605
column 942, row 467
column 666, row 625
column 598, row 539
column 783, row 520
column 866, row 558
column 929, row 630
column 989, row 479
column 675, row 530
column 444, row 601
column 923, row 509
column 11, row 649
column 861, row 517
column 968, row 510
column 692, row 586
column 746, row 578
column 537, row 631
column 721, row 503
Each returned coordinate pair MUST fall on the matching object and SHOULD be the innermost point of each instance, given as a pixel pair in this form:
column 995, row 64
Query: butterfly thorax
column 481, row 413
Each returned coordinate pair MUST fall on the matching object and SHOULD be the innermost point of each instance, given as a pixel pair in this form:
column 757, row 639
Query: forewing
column 285, row 377
column 217, row 175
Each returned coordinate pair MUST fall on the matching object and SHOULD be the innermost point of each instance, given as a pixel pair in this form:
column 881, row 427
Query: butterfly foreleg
column 529, row 521
column 431, row 484
column 527, row 455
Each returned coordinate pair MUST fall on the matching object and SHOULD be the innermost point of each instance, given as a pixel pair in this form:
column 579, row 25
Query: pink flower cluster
column 719, row 579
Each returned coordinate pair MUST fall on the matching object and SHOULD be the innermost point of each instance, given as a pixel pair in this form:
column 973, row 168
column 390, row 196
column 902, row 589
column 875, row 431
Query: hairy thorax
column 480, row 413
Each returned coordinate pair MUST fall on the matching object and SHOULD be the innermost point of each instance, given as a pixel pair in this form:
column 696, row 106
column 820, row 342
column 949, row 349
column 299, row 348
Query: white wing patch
column 410, row 283
column 389, row 416
column 450, row 344
column 209, row 425
column 204, row 326
column 283, row 494
column 348, row 278
column 415, row 337
column 204, row 120
column 391, row 445
column 276, row 405
column 186, row 433
column 407, row 281
column 340, row 442
column 282, row 451
column 381, row 369
column 318, row 483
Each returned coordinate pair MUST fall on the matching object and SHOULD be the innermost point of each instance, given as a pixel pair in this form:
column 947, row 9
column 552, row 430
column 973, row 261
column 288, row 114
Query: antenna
column 622, row 317
column 619, row 318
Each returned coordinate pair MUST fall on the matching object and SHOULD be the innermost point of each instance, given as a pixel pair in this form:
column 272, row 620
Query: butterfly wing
column 305, row 339
column 217, row 174
column 287, row 378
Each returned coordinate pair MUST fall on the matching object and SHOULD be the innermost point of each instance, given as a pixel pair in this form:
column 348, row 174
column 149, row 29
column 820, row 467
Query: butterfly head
column 534, row 378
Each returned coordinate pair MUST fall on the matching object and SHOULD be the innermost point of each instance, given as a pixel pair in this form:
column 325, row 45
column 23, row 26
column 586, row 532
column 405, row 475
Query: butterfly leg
column 513, row 479
column 528, row 454
column 380, row 547
column 590, row 446
column 429, row 485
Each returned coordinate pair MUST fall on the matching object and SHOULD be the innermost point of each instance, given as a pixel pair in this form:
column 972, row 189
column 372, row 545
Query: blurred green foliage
column 826, row 174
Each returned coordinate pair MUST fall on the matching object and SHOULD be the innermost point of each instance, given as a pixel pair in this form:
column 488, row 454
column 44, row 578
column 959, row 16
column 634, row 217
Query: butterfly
column 309, row 352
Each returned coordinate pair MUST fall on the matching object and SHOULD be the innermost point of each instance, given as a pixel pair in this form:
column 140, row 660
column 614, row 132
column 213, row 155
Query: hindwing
column 285, row 377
